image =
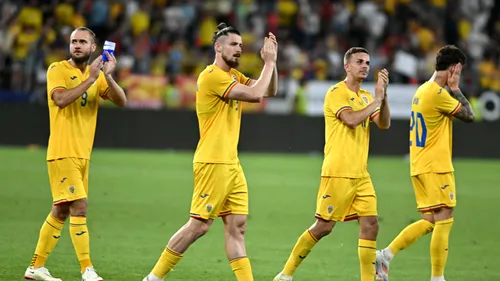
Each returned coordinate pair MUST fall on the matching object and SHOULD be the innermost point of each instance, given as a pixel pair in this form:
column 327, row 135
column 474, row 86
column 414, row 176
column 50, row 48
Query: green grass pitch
column 138, row 199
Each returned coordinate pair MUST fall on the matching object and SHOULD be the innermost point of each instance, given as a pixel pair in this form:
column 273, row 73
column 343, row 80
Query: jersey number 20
column 418, row 123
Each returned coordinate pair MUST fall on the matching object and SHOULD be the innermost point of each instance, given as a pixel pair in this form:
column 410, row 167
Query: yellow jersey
column 431, row 129
column 346, row 150
column 219, row 118
column 72, row 128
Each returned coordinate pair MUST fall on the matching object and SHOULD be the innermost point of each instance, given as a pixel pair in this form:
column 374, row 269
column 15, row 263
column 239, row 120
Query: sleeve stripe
column 375, row 114
column 228, row 89
column 105, row 93
column 248, row 81
column 457, row 109
column 337, row 114
column 58, row 88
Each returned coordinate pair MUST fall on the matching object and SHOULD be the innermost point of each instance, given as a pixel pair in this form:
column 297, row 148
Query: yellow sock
column 49, row 236
column 367, row 250
column 80, row 237
column 439, row 246
column 242, row 269
column 166, row 263
column 303, row 247
column 410, row 234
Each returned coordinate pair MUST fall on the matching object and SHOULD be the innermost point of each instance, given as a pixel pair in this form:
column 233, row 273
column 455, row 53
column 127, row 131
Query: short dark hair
column 449, row 55
column 224, row 30
column 352, row 51
column 92, row 34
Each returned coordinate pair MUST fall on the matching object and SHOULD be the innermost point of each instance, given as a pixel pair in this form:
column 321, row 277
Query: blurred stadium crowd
column 173, row 37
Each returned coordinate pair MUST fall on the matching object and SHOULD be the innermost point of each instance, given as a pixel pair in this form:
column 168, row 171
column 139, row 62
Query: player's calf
column 234, row 235
column 367, row 246
column 178, row 244
column 440, row 242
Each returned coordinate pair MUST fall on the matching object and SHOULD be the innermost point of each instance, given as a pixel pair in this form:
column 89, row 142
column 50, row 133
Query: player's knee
column 443, row 214
column 369, row 227
column 428, row 217
column 61, row 211
column 79, row 207
column 322, row 228
column 202, row 230
column 238, row 229
column 199, row 228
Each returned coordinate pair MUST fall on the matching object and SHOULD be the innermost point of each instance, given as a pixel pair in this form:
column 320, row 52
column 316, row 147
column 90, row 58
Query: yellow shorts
column 434, row 191
column 343, row 199
column 219, row 190
column 69, row 179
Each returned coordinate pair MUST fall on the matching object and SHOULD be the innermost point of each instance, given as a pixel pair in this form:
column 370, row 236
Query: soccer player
column 432, row 111
column 73, row 90
column 346, row 191
column 220, row 187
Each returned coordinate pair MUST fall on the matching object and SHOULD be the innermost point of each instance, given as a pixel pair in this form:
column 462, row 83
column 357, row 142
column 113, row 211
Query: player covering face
column 220, row 187
column 432, row 172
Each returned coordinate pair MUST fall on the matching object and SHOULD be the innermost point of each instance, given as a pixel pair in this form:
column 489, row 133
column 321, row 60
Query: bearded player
column 73, row 90
column 220, row 187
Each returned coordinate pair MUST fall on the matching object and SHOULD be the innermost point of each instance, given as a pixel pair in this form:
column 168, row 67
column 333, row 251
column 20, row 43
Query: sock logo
column 80, row 233
column 302, row 257
column 56, row 236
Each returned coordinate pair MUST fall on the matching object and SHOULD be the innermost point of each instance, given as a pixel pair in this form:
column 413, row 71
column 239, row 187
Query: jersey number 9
column 85, row 95
column 418, row 123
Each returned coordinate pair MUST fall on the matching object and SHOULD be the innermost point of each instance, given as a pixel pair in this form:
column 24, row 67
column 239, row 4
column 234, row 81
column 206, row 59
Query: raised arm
column 465, row 113
column 383, row 119
column 116, row 93
column 63, row 97
column 256, row 91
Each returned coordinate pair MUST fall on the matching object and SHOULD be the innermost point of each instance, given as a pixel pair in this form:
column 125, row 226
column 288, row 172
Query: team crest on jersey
column 365, row 98
column 234, row 77
column 72, row 189
column 209, row 208
column 330, row 209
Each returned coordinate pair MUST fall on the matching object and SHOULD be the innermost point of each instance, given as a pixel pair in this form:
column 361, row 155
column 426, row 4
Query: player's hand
column 269, row 52
column 95, row 68
column 110, row 65
column 381, row 86
column 454, row 77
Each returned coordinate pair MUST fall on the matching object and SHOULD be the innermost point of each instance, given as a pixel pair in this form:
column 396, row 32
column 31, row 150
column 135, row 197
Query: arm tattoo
column 465, row 113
